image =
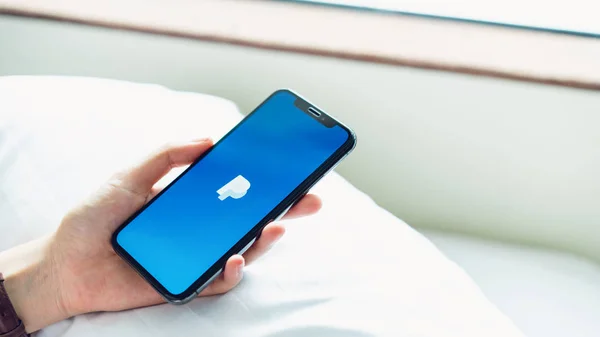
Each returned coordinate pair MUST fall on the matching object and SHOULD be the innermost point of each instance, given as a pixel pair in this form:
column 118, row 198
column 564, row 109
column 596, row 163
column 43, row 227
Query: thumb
column 141, row 177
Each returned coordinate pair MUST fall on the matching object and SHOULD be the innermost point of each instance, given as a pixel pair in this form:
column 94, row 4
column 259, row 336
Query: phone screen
column 216, row 202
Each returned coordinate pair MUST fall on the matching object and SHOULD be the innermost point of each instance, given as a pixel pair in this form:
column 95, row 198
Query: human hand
column 84, row 272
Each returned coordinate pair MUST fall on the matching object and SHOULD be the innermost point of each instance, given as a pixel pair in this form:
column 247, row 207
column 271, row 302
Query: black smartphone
column 180, row 240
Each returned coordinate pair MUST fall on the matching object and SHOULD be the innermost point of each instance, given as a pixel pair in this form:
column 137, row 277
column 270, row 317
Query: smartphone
column 180, row 240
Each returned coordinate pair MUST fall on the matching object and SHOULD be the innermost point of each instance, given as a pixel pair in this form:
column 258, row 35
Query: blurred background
column 478, row 120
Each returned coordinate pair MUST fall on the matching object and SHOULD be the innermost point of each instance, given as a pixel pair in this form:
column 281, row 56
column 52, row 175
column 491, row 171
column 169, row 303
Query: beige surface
column 368, row 36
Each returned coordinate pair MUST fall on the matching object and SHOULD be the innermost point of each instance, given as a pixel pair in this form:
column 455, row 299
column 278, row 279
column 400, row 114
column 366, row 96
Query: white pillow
column 351, row 270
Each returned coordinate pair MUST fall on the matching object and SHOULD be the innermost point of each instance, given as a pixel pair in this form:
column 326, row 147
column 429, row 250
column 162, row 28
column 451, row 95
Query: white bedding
column 352, row 270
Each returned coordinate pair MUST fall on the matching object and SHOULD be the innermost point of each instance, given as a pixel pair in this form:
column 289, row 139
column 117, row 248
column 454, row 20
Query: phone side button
column 243, row 250
column 282, row 214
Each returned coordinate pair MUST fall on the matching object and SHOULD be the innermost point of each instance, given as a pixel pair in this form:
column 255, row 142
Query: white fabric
column 352, row 270
column 547, row 293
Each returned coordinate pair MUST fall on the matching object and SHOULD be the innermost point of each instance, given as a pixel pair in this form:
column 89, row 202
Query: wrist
column 31, row 285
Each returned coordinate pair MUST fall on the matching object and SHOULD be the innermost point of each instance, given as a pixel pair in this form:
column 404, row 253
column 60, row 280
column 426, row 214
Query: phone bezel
column 208, row 276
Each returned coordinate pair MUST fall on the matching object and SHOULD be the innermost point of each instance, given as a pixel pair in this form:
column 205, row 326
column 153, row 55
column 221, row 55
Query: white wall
column 490, row 157
column 573, row 15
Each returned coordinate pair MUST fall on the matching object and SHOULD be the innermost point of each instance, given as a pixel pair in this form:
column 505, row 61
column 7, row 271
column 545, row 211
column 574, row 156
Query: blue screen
column 200, row 217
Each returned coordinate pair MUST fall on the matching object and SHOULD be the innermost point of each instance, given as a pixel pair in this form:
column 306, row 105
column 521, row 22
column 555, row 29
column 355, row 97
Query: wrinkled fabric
column 353, row 270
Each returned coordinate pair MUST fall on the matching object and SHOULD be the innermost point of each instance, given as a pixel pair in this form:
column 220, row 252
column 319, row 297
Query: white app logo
column 236, row 188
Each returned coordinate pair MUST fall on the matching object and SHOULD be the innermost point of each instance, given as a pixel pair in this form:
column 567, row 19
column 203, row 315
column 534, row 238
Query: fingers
column 234, row 268
column 142, row 177
column 229, row 278
column 154, row 192
column 269, row 236
column 309, row 204
column 233, row 272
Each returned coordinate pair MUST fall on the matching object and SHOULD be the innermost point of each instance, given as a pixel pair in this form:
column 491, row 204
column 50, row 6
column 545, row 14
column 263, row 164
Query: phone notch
column 314, row 112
